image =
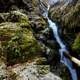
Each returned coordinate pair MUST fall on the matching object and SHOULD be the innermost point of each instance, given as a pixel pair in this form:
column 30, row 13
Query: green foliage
column 68, row 16
column 17, row 40
column 69, row 20
column 42, row 70
column 72, row 19
column 13, row 49
column 19, row 44
column 21, row 47
column 76, row 44
column 18, row 17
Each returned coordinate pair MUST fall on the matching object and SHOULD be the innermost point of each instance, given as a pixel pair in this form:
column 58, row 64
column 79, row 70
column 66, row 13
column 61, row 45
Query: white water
column 63, row 48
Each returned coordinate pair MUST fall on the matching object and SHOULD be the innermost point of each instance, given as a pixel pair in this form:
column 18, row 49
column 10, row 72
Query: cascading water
column 63, row 48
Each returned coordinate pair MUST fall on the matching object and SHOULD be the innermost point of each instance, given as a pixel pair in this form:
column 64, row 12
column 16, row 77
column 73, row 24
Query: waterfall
column 63, row 48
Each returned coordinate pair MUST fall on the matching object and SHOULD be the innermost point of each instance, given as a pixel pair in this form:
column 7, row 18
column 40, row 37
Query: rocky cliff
column 66, row 15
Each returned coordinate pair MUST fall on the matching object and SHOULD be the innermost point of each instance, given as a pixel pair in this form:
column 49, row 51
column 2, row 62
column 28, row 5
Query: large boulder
column 17, row 40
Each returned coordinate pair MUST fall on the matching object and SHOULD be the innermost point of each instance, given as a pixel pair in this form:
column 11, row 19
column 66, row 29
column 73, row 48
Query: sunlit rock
column 32, row 71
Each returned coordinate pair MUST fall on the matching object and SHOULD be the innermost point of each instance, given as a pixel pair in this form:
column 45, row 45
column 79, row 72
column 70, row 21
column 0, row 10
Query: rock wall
column 67, row 16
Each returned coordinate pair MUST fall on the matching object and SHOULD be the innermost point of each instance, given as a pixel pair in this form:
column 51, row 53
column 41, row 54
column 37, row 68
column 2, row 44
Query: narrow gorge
column 40, row 40
column 63, row 48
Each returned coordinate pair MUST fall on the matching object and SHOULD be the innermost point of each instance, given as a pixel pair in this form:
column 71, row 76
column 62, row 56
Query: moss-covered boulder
column 66, row 14
column 16, row 39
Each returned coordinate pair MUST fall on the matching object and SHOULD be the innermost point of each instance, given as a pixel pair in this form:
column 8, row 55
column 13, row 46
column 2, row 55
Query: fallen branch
column 73, row 59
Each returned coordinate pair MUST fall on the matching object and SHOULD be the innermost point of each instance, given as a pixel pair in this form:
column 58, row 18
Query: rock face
column 67, row 15
column 31, row 71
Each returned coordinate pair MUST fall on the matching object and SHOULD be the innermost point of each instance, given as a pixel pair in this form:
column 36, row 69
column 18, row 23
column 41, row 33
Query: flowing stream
column 63, row 48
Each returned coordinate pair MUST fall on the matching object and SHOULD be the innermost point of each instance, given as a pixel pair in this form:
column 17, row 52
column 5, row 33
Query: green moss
column 18, row 43
column 76, row 44
column 17, row 16
column 43, row 69
column 72, row 18
column 23, row 19
column 68, row 16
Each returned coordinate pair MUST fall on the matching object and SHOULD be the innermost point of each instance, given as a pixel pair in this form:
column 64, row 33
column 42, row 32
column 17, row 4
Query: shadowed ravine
column 63, row 47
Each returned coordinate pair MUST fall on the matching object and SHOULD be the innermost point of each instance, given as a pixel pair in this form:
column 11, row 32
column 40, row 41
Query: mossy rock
column 43, row 69
column 38, row 23
column 72, row 18
column 16, row 17
column 18, row 43
column 76, row 44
